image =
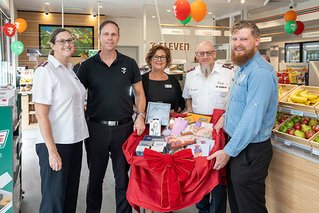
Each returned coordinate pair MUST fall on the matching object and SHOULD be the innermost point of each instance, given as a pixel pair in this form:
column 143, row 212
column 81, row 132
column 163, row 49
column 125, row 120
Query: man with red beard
column 249, row 118
column 207, row 88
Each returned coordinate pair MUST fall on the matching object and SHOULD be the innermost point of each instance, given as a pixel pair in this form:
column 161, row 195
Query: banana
column 279, row 93
column 289, row 100
column 314, row 101
column 308, row 96
column 295, row 98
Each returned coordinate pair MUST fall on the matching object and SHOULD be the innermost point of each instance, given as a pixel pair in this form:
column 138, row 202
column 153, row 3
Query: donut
column 5, row 201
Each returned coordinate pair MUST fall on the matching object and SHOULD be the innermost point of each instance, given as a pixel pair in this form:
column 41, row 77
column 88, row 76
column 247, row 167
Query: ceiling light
column 153, row 16
column 228, row 1
column 242, row 1
column 168, row 11
column 47, row 3
column 46, row 11
column 94, row 14
column 266, row 2
column 100, row 6
column 209, row 13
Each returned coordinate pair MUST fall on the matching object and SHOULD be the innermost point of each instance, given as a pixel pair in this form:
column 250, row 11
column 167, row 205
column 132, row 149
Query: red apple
column 304, row 120
column 315, row 127
column 309, row 133
column 276, row 124
column 291, row 131
column 297, row 126
column 280, row 120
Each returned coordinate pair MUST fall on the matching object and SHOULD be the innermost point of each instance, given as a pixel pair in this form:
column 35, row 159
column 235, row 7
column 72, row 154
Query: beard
column 205, row 69
column 240, row 60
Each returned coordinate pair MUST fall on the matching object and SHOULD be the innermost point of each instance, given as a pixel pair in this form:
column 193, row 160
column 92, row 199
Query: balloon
column 290, row 27
column 21, row 25
column 9, row 29
column 181, row 9
column 290, row 16
column 186, row 20
column 300, row 27
column 198, row 10
column 17, row 47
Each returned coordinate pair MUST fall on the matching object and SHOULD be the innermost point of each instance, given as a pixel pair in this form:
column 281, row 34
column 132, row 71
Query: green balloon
column 189, row 18
column 290, row 27
column 17, row 47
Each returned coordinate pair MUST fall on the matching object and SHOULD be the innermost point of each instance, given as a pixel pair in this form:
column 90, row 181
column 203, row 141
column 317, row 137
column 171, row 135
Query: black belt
column 110, row 123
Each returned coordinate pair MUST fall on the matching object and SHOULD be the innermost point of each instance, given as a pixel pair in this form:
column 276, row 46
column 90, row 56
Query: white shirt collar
column 57, row 63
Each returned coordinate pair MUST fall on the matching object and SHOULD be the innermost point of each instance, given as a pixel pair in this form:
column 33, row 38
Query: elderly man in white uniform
column 206, row 89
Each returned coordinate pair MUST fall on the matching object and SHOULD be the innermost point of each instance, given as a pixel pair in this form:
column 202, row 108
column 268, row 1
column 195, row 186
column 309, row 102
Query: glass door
column 292, row 52
column 310, row 51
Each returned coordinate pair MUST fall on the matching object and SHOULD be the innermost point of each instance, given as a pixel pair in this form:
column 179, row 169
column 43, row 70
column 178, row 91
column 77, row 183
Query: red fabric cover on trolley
column 171, row 182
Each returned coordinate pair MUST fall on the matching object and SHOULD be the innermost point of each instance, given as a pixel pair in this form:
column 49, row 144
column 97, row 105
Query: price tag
column 294, row 112
column 315, row 152
column 288, row 143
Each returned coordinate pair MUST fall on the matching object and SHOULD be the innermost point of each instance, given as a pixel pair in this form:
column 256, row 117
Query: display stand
column 29, row 120
column 10, row 159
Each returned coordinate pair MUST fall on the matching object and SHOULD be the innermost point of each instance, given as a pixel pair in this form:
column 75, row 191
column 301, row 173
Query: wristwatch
column 141, row 113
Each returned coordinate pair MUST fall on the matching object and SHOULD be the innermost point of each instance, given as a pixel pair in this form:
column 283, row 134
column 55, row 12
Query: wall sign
column 208, row 32
column 310, row 34
column 169, row 31
column 266, row 39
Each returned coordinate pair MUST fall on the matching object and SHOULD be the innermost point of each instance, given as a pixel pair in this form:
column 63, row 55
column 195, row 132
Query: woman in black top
column 158, row 86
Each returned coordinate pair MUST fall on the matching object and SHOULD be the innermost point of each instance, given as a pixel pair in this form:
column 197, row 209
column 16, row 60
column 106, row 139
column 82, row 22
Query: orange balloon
column 198, row 10
column 290, row 16
column 21, row 25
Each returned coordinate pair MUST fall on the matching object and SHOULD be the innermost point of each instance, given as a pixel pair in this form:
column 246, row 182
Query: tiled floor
column 31, row 181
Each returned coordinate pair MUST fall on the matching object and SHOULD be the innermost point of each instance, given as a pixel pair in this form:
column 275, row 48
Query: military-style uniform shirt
column 208, row 93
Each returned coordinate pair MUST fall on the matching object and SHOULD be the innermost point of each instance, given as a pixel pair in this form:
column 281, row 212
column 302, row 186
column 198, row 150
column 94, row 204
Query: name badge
column 168, row 86
column 221, row 88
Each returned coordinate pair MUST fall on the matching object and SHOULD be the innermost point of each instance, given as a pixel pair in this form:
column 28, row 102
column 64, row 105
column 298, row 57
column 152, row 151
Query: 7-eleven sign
column 3, row 138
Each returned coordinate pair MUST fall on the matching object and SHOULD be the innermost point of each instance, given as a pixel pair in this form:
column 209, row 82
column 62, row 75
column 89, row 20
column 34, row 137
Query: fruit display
column 284, row 89
column 280, row 117
column 303, row 97
column 298, row 129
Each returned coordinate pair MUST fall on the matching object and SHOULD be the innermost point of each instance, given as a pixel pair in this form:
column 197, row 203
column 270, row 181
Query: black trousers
column 59, row 189
column 105, row 142
column 246, row 176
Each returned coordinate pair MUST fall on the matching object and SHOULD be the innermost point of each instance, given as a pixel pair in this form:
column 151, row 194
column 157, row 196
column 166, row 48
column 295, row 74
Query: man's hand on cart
column 139, row 125
column 222, row 159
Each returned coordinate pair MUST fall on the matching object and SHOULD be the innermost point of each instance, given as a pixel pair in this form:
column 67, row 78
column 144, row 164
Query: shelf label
column 295, row 112
column 315, row 152
column 288, row 143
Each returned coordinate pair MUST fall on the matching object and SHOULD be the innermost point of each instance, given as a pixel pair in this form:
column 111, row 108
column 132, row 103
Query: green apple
column 317, row 139
column 300, row 134
column 279, row 115
column 296, row 119
column 283, row 129
column 313, row 121
column 289, row 124
column 305, row 127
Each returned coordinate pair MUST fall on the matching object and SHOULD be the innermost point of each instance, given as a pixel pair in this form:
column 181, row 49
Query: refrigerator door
column 310, row 51
column 292, row 52
column 314, row 73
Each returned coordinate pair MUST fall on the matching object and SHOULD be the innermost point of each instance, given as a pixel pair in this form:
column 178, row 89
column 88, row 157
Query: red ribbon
column 173, row 169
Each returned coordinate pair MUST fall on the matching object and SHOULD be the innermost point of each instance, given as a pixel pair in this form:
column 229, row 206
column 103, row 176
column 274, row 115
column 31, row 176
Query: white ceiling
column 134, row 8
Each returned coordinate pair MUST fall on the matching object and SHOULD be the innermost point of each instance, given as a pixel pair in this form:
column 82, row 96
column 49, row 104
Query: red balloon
column 9, row 29
column 181, row 9
column 300, row 27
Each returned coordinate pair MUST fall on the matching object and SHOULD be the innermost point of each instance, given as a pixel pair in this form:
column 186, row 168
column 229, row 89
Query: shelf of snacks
column 303, row 99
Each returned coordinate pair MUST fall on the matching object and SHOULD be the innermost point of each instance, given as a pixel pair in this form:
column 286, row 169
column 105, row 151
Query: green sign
column 92, row 52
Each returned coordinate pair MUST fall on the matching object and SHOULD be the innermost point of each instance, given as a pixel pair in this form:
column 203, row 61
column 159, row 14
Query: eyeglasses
column 63, row 41
column 157, row 57
column 208, row 53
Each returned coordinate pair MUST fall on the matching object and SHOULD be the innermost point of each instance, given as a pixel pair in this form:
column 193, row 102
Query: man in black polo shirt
column 108, row 76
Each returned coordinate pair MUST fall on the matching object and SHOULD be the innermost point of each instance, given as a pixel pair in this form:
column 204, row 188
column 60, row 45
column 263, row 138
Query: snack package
column 176, row 141
column 199, row 150
column 285, row 78
column 279, row 77
column 292, row 77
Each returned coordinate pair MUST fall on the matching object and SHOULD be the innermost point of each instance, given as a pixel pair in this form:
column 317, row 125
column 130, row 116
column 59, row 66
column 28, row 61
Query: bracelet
column 141, row 113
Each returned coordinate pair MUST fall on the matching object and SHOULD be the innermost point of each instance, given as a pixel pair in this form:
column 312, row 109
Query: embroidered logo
column 123, row 70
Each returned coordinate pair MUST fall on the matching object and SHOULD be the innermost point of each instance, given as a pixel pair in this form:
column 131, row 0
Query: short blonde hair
column 255, row 32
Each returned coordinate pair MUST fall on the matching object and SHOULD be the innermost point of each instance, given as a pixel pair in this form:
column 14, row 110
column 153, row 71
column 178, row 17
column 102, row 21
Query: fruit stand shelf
column 287, row 142
column 295, row 111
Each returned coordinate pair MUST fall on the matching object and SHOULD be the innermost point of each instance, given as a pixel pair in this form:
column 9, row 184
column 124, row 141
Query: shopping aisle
column 31, row 181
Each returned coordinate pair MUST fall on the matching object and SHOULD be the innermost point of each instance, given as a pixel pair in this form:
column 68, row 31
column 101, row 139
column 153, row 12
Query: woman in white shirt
column 59, row 96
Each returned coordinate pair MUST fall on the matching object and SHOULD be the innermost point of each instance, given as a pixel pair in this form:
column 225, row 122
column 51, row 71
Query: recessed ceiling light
column 242, row 1
column 153, row 16
column 47, row 3
column 100, row 6
column 209, row 13
column 168, row 11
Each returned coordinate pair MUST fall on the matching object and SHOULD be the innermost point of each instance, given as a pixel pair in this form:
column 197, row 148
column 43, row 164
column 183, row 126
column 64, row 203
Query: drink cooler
column 171, row 182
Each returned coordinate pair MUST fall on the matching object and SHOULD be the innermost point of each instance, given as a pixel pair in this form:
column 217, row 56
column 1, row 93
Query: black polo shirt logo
column 123, row 70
